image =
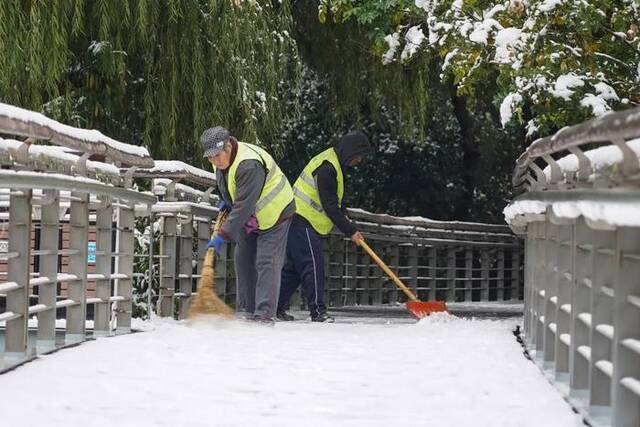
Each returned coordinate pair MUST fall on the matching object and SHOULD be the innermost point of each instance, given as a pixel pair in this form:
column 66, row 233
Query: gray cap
column 213, row 140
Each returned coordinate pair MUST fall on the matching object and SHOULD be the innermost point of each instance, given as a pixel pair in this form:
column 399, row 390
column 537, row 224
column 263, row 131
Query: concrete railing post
column 626, row 339
column 167, row 265
column 185, row 267
column 18, row 273
column 104, row 251
column 500, row 283
column 77, row 286
column 580, row 312
column 124, row 283
column 47, row 292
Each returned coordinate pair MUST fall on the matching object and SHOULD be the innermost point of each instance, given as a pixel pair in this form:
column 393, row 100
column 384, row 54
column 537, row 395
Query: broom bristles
column 207, row 302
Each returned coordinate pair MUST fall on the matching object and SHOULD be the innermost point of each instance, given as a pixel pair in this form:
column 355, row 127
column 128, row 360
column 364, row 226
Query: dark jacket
column 350, row 145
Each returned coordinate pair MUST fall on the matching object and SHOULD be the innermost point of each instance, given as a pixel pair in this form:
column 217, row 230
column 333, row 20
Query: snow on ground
column 441, row 371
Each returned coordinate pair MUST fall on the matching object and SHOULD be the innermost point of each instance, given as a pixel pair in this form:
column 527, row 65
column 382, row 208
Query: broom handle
column 218, row 224
column 222, row 215
column 387, row 270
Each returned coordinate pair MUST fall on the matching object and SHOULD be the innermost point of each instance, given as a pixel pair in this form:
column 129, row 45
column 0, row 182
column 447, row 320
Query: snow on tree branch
column 558, row 62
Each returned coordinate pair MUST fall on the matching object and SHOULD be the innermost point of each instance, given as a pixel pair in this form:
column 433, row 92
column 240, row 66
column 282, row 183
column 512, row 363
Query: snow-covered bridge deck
column 381, row 371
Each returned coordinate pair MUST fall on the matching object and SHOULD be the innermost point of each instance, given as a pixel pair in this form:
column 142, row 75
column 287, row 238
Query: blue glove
column 224, row 206
column 216, row 243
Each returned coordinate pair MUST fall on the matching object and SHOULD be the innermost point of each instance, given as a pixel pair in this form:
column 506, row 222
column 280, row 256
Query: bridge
column 101, row 240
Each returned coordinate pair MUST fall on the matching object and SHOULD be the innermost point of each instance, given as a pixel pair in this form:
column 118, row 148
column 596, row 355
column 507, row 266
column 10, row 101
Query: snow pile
column 452, row 372
column 436, row 318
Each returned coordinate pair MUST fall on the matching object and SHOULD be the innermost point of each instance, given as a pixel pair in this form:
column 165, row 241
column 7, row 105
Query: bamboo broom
column 207, row 301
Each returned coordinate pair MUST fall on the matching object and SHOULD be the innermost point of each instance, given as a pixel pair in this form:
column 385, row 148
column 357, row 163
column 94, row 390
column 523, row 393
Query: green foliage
column 451, row 158
column 404, row 174
column 573, row 40
column 159, row 72
column 151, row 72
column 530, row 47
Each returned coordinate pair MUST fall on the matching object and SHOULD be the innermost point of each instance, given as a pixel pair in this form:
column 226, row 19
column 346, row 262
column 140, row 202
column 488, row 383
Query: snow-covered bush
column 557, row 62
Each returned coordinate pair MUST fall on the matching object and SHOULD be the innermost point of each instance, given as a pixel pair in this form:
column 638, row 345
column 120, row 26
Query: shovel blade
column 421, row 309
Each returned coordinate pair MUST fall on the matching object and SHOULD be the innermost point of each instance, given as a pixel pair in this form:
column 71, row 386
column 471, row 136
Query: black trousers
column 304, row 264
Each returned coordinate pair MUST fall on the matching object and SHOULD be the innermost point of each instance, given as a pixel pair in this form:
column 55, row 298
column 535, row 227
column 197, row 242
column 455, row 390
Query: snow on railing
column 69, row 217
column 177, row 170
column 580, row 216
column 446, row 263
column 612, row 128
column 67, row 233
column 19, row 121
column 75, row 220
column 184, row 217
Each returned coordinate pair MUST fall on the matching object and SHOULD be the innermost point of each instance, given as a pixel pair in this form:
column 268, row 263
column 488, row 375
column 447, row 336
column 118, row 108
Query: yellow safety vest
column 305, row 190
column 276, row 193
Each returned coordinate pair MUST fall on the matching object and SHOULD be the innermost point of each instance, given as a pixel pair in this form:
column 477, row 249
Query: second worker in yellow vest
column 318, row 191
column 260, row 200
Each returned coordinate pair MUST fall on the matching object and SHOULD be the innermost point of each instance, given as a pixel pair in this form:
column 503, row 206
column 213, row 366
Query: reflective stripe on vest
column 276, row 193
column 305, row 190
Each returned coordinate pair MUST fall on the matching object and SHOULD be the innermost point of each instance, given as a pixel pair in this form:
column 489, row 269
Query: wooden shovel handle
column 387, row 270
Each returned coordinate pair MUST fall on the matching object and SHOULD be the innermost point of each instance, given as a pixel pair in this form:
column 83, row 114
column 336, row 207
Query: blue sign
column 91, row 252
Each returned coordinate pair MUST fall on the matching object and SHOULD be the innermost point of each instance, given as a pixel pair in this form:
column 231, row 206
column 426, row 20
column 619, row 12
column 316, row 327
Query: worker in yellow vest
column 318, row 191
column 260, row 200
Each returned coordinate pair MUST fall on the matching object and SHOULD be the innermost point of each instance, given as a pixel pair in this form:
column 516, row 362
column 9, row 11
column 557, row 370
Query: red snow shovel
column 417, row 308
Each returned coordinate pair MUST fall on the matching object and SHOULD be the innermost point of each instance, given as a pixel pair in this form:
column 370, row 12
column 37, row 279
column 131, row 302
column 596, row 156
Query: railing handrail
column 177, row 170
column 20, row 121
column 427, row 223
column 33, row 156
column 614, row 127
column 30, row 179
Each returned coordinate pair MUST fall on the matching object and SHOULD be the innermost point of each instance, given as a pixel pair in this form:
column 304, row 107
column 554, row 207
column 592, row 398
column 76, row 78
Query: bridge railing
column 52, row 198
column 182, row 217
column 580, row 215
column 86, row 242
column 451, row 261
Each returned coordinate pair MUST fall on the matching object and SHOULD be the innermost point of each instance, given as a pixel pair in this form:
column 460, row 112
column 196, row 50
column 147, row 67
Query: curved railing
column 54, row 202
column 95, row 232
column 580, row 215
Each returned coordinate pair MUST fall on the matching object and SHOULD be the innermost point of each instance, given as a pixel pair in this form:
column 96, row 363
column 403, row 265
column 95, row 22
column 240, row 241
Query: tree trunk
column 471, row 152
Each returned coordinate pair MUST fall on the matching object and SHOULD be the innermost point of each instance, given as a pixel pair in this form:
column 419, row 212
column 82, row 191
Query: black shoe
column 283, row 316
column 323, row 317
column 264, row 319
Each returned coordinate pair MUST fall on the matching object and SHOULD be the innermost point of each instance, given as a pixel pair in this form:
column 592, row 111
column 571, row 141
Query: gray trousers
column 259, row 258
